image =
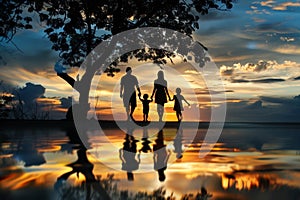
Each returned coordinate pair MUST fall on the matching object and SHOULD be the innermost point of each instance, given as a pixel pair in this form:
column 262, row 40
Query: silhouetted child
column 178, row 98
column 146, row 103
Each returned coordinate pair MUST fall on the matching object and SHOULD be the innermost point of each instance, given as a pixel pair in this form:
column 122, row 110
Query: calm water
column 249, row 161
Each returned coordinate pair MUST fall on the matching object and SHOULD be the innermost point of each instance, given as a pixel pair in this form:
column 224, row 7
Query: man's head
column 128, row 70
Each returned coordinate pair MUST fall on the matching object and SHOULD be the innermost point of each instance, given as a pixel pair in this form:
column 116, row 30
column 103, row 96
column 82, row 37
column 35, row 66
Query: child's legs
column 146, row 116
column 179, row 115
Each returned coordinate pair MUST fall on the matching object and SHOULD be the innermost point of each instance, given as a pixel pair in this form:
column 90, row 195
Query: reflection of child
column 178, row 144
column 146, row 103
column 178, row 98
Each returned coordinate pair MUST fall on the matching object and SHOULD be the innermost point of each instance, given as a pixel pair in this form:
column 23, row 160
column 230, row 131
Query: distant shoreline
column 169, row 124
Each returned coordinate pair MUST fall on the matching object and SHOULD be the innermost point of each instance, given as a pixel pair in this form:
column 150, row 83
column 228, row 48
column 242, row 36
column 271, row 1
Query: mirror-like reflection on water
column 250, row 161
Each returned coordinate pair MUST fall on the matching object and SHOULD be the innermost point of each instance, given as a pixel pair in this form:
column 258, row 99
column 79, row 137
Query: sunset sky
column 255, row 46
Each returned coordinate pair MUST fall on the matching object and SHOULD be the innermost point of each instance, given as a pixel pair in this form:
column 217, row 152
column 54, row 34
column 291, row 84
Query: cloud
column 287, row 39
column 285, row 5
column 288, row 49
column 268, row 80
column 265, row 109
column 261, row 72
column 255, row 105
column 29, row 93
column 35, row 54
column 66, row 102
column 297, row 78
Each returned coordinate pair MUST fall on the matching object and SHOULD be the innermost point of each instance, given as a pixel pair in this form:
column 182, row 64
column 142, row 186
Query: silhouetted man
column 127, row 92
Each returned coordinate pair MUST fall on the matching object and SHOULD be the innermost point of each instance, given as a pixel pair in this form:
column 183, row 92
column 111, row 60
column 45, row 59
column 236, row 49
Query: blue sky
column 255, row 45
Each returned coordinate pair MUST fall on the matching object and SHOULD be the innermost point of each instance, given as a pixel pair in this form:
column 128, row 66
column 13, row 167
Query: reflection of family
column 131, row 158
column 129, row 85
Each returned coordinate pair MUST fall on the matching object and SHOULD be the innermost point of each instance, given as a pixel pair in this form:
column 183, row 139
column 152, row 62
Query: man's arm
column 121, row 89
column 138, row 87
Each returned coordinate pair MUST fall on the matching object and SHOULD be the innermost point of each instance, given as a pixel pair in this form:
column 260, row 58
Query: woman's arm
column 121, row 155
column 154, row 90
column 167, row 92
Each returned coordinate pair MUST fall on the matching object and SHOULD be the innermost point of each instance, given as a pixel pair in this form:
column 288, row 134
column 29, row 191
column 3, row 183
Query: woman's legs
column 160, row 111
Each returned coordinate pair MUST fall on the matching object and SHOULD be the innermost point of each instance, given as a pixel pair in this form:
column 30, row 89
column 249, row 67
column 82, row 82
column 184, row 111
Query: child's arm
column 186, row 101
column 172, row 99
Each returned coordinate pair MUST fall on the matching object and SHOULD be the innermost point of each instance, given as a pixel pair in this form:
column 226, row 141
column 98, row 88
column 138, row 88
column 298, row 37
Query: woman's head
column 160, row 75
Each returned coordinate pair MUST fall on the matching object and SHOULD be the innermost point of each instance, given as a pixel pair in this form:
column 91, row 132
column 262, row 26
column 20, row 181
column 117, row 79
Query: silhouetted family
column 129, row 85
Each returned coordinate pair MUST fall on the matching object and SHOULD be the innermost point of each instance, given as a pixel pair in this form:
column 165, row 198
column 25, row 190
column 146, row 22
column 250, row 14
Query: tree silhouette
column 76, row 27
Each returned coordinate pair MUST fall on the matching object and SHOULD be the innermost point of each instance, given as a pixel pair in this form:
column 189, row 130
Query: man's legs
column 132, row 108
column 132, row 103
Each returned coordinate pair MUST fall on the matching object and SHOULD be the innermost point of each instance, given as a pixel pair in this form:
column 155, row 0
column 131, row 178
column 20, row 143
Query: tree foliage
column 75, row 27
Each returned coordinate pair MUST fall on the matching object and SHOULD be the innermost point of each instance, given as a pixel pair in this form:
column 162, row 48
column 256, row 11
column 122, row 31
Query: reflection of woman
column 160, row 91
column 130, row 161
column 160, row 156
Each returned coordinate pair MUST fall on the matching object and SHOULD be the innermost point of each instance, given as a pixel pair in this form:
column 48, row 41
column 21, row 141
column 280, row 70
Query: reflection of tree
column 26, row 151
column 247, row 181
column 92, row 187
column 202, row 195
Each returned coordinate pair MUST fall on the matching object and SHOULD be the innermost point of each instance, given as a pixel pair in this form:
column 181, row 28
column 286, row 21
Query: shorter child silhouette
column 146, row 103
column 178, row 98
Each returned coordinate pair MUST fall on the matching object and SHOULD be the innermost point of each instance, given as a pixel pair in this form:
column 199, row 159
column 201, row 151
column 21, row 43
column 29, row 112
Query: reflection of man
column 127, row 92
column 129, row 157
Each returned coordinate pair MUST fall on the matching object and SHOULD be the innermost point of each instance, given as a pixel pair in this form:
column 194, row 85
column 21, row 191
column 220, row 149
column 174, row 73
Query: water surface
column 249, row 161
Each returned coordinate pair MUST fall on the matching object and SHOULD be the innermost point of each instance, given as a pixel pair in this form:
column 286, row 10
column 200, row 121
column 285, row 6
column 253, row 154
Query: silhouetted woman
column 160, row 91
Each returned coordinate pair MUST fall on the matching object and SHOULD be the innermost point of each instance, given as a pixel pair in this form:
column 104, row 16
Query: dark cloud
column 265, row 109
column 267, row 80
column 29, row 93
column 227, row 71
column 239, row 81
column 33, row 52
column 269, row 27
column 297, row 98
column 297, row 78
column 255, row 105
column 210, row 92
column 66, row 102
